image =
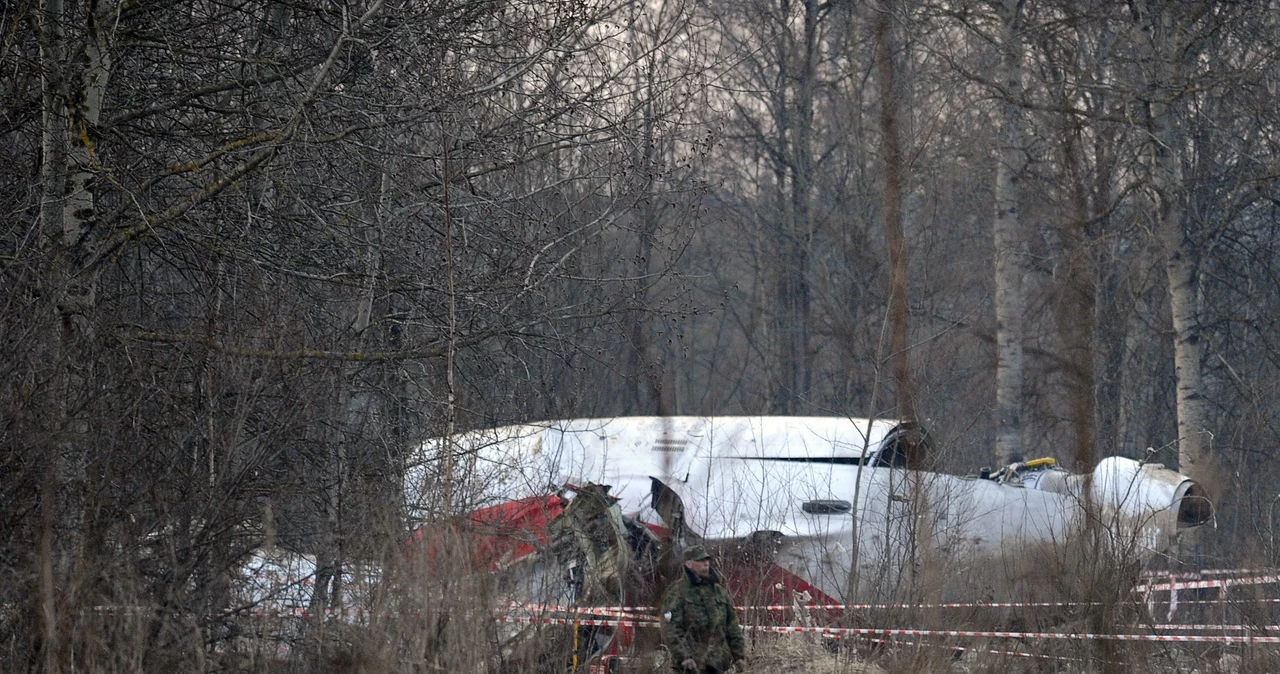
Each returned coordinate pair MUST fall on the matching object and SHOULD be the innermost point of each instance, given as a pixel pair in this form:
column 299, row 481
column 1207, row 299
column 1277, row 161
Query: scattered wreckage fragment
column 556, row 556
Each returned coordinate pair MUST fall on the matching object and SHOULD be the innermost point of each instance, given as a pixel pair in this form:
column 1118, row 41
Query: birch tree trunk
column 1184, row 305
column 72, row 93
column 1162, row 46
column 48, row 27
column 53, row 141
column 1010, row 244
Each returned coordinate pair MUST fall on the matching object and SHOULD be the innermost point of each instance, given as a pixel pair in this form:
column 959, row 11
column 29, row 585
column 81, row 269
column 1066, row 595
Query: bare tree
column 891, row 156
column 273, row 246
column 1010, row 243
column 1160, row 36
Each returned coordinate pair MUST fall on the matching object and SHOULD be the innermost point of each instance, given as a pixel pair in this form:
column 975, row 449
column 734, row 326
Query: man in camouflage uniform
column 698, row 622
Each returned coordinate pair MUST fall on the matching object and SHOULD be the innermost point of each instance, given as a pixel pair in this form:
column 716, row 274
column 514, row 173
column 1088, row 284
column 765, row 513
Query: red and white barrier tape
column 647, row 610
column 558, row 608
column 875, row 631
column 1200, row 638
column 1209, row 628
column 611, row 611
column 1224, row 600
column 587, row 622
column 989, row 651
column 812, row 607
column 1199, row 584
column 1193, row 575
column 868, row 607
column 300, row 613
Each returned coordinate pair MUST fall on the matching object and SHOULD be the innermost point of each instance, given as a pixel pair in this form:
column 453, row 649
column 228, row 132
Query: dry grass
column 429, row 615
column 798, row 654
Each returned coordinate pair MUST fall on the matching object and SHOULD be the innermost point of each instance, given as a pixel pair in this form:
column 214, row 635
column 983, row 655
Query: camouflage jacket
column 698, row 622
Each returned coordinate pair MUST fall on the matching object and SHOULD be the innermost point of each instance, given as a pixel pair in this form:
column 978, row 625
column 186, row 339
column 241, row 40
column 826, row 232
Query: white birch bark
column 1161, row 49
column 53, row 141
column 71, row 105
column 1184, row 305
column 84, row 110
column 1010, row 245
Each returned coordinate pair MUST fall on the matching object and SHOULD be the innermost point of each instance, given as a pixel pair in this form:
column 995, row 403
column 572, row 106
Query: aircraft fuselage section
column 827, row 491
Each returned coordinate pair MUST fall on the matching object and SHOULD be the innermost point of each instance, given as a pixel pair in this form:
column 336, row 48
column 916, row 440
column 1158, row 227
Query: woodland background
column 253, row 251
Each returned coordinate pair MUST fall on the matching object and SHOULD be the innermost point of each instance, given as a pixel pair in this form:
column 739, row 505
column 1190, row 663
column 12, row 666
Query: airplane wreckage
column 798, row 511
column 578, row 512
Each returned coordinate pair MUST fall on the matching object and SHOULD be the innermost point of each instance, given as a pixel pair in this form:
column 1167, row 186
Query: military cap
column 695, row 553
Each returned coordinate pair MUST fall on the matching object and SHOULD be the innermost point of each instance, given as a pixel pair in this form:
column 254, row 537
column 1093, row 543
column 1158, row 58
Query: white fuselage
column 800, row 477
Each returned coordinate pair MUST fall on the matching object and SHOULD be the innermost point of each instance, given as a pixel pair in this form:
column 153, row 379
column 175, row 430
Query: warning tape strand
column 1194, row 575
column 1204, row 628
column 603, row 610
column 816, row 607
column 990, row 651
column 650, row 621
column 1201, row 584
column 908, row 632
column 302, row 613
